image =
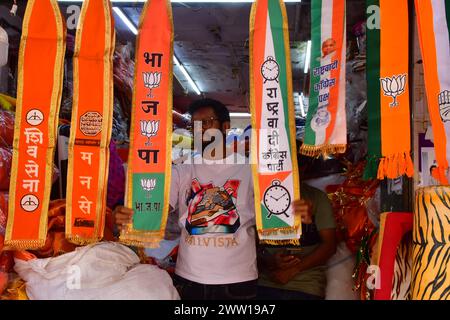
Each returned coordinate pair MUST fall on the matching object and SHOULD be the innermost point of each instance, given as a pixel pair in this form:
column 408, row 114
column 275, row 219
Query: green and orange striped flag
column 326, row 128
column 433, row 19
column 389, row 144
column 274, row 159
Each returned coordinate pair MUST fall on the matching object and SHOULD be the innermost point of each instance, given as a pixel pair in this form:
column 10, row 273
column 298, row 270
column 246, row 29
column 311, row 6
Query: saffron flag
column 388, row 92
column 433, row 19
column 39, row 88
column 90, row 133
column 273, row 151
column 149, row 163
column 326, row 127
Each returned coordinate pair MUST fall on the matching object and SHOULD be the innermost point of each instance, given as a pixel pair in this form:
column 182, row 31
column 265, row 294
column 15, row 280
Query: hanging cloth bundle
column 39, row 88
column 389, row 144
column 90, row 133
column 274, row 156
column 326, row 127
column 433, row 19
column 149, row 162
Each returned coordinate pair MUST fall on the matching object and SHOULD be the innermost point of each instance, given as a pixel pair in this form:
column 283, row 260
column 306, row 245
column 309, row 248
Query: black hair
column 219, row 108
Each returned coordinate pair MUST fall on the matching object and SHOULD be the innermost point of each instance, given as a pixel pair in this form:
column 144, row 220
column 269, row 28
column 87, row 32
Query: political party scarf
column 389, row 135
column 40, row 66
column 393, row 227
column 431, row 244
column 433, row 19
column 326, row 127
column 149, row 163
column 273, row 151
column 90, row 132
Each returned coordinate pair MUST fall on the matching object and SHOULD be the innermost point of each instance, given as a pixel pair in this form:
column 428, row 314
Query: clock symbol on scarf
column 270, row 70
column 277, row 199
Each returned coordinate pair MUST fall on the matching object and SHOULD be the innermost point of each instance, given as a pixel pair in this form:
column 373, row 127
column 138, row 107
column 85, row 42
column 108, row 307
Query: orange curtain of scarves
column 41, row 58
column 91, row 123
column 149, row 164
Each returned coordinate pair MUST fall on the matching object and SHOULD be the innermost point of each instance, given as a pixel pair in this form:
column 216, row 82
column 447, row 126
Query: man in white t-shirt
column 213, row 197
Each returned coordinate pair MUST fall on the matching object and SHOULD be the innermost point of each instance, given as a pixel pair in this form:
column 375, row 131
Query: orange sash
column 149, row 164
column 91, row 123
column 41, row 58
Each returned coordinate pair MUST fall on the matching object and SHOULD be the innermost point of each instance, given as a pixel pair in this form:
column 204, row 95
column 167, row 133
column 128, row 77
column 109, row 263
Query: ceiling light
column 125, row 19
column 240, row 114
column 307, row 56
column 302, row 106
column 187, row 75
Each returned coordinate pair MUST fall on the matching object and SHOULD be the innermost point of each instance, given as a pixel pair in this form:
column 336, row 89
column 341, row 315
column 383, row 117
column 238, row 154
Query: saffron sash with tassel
column 326, row 127
column 433, row 19
column 388, row 93
column 149, row 163
column 274, row 157
column 91, row 123
column 41, row 60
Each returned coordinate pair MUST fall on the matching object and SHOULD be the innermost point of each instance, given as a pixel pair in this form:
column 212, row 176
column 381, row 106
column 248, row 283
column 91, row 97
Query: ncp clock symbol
column 277, row 199
column 270, row 70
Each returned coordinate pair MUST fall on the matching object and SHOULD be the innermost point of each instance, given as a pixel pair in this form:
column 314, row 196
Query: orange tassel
column 381, row 169
column 409, row 166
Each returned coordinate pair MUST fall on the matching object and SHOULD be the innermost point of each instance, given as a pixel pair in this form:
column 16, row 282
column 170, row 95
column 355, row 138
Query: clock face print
column 277, row 199
column 270, row 70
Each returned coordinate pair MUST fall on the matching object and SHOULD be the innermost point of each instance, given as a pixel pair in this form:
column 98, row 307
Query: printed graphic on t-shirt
column 212, row 209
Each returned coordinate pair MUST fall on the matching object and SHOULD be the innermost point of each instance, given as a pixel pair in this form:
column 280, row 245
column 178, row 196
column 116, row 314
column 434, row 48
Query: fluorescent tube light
column 125, row 20
column 240, row 114
column 308, row 56
column 187, row 75
column 302, row 106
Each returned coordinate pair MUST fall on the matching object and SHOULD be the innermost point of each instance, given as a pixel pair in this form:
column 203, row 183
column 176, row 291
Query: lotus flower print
column 148, row 185
column 151, row 81
column 149, row 129
column 393, row 87
column 444, row 105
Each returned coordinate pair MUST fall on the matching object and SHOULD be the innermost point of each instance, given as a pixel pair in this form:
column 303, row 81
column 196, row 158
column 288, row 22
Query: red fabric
column 5, row 168
column 348, row 201
column 6, row 128
column 396, row 225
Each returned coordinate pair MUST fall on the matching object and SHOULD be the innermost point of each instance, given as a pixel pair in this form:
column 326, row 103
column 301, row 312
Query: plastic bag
column 5, row 168
column 6, row 128
column 3, row 212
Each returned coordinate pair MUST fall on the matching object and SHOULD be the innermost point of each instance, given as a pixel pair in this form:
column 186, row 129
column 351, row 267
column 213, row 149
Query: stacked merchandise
column 7, row 105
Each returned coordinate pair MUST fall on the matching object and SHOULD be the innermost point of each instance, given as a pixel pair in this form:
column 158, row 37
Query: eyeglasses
column 206, row 123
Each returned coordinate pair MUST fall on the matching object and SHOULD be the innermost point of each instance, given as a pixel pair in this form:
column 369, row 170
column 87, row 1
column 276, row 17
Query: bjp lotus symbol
column 151, row 81
column 149, row 129
column 148, row 185
column 393, row 87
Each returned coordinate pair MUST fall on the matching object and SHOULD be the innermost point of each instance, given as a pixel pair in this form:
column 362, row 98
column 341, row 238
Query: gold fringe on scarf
column 323, row 150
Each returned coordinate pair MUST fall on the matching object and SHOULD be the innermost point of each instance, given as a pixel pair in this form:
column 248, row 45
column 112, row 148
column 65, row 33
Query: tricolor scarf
column 90, row 132
column 274, row 159
column 389, row 142
column 41, row 60
column 149, row 163
column 326, row 127
column 433, row 19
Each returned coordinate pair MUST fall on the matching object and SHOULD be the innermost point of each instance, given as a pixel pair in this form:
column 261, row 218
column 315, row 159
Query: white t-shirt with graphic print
column 216, row 214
